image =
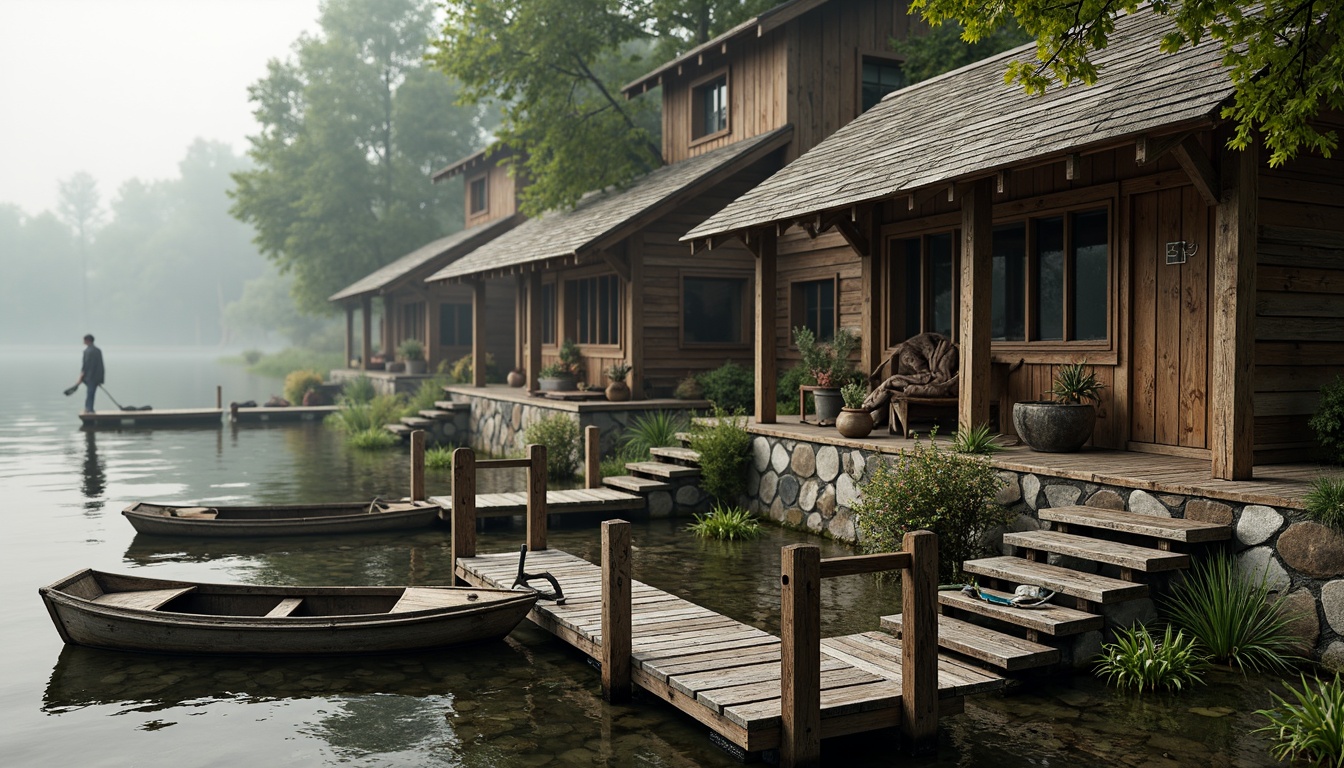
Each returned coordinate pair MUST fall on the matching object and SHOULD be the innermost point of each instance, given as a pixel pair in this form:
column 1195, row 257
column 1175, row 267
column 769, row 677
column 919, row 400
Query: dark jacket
column 93, row 366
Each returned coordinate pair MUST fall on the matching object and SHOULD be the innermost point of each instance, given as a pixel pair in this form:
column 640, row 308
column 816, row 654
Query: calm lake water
column 526, row 701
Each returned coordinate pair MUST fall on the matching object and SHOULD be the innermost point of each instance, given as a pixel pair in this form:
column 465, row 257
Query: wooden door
column 1169, row 310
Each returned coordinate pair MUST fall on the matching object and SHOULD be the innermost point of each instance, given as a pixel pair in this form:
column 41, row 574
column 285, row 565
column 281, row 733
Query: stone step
column 659, row 469
column 1164, row 528
column 684, row 438
column 417, row 422
column 1086, row 586
column 1054, row 620
column 1099, row 550
column 436, row 415
column 451, row 406
column 1006, row 652
column 400, row 430
column 676, row 455
column 635, row 484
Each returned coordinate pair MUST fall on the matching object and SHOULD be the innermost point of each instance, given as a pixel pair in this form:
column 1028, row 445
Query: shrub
column 614, row 465
column 688, row 389
column 1310, row 732
column 940, row 491
column 300, row 383
column 1325, row 502
column 375, row 439
column 725, row 522
column 252, row 356
column 1140, row 661
column 461, row 372
column 827, row 363
column 353, row 418
column 730, row 386
column 358, row 390
column 978, row 440
column 1234, row 617
column 786, row 392
column 429, row 393
column 724, row 447
column 560, row 435
column 440, row 457
column 654, row 429
column 1328, row 421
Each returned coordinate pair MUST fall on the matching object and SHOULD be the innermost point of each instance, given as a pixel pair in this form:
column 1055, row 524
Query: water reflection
column 93, row 480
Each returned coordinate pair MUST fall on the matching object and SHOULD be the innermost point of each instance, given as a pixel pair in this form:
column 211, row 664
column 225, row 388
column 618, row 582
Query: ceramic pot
column 517, row 379
column 558, row 384
column 854, row 422
column 1054, row 427
column 829, row 402
column 418, row 367
column 618, row 391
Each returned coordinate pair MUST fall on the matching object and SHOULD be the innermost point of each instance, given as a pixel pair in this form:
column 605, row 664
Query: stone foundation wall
column 814, row 486
column 384, row 383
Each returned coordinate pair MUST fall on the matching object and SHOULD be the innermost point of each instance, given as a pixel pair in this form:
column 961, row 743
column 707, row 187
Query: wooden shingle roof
column 602, row 219
column 431, row 256
column 968, row 122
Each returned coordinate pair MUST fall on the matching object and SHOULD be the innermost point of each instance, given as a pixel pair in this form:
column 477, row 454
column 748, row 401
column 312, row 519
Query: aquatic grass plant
column 1325, row 501
column 724, row 446
column 1310, row 731
column 560, row 435
column 358, row 390
column 440, row 457
column 429, row 392
column 353, row 418
column 1137, row 660
column 655, row 429
column 1235, row 617
column 375, row 439
column 726, row 523
column 977, row 440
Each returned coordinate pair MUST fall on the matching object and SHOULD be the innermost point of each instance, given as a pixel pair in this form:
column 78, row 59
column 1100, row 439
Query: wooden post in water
column 616, row 612
column 464, row 507
column 800, row 656
column 219, row 396
column 418, row 465
column 592, row 457
column 919, row 643
column 536, row 498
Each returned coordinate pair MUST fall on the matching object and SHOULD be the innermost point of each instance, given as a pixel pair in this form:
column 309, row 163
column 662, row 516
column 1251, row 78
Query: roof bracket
column 1001, row 181
column 1197, row 165
column 1148, row 149
column 1073, row 166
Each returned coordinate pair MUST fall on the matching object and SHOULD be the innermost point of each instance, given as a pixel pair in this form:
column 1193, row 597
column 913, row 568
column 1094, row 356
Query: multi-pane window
column 712, row 310
column 1051, row 279
column 923, row 286
column 814, row 308
column 709, row 110
column 548, row 313
column 413, row 320
column 476, row 194
column 880, row 77
column 597, row 314
column 455, row 325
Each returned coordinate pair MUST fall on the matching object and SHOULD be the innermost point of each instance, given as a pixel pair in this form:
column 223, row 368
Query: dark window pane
column 940, row 282
column 879, row 79
column 548, row 313
column 478, row 198
column 1050, row 279
column 712, row 106
column 1089, row 275
column 711, row 311
column 817, row 299
column 455, row 325
column 913, row 293
column 1008, row 289
column 596, row 309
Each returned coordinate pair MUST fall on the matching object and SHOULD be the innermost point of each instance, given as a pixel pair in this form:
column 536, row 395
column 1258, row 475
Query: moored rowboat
column 136, row 613
column 280, row 520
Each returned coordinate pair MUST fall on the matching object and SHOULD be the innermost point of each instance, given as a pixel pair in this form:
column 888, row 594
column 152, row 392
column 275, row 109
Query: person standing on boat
column 91, row 374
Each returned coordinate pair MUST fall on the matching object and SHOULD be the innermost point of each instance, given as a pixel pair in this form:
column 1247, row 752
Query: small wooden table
column 900, row 410
column 803, row 389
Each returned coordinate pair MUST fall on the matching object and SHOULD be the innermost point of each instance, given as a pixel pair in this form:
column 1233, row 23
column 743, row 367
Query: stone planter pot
column 417, row 367
column 618, row 392
column 558, row 384
column 829, row 402
column 1054, row 427
column 517, row 379
column 854, row 422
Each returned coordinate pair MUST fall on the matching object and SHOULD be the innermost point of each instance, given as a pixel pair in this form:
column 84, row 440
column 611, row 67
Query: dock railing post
column 616, row 612
column 464, row 508
column 536, row 498
column 592, row 457
column 418, row 465
column 919, row 642
column 219, row 396
column 800, row 656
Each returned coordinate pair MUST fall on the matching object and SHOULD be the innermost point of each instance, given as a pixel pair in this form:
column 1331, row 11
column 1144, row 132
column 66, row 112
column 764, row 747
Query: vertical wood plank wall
column 500, row 194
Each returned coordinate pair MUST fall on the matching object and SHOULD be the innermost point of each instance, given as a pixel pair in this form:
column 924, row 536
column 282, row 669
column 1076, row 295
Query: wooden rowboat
column 136, row 613
column 280, row 520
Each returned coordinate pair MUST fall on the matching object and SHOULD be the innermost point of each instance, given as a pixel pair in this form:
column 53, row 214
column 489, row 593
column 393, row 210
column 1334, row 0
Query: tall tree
column 557, row 67
column 1285, row 58
column 78, row 205
column 351, row 127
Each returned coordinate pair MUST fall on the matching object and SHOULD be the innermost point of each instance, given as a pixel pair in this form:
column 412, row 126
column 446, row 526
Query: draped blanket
column 921, row 366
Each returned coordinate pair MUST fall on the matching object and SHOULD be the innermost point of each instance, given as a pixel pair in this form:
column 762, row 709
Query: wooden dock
column 578, row 500
column 280, row 415
column 168, row 417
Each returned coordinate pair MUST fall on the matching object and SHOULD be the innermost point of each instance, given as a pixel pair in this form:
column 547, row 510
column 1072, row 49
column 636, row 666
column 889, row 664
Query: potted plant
column 618, row 391
column 827, row 365
column 854, row 421
column 412, row 351
column 563, row 374
column 1064, row 423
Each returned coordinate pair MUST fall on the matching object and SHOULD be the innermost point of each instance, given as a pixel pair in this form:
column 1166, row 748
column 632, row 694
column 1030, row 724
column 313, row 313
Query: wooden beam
column 1148, row 149
column 751, row 240
column 632, row 337
column 536, row 498
column 919, row 642
column 1232, row 356
column 1001, row 182
column 870, row 295
column 417, row 465
column 366, row 319
column 592, row 457
column 800, row 656
column 765, row 328
column 1072, row 166
column 349, row 335
column 478, row 333
column 1195, row 161
column 852, row 565
column 389, row 330
column 922, row 196
column 533, row 329
column 519, row 321
column 854, row 234
column 463, row 533
column 617, row 620
column 621, row 268
column 977, row 232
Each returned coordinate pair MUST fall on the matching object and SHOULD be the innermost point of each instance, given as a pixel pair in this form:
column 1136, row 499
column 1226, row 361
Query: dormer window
column 709, row 107
column 477, row 201
column 880, row 77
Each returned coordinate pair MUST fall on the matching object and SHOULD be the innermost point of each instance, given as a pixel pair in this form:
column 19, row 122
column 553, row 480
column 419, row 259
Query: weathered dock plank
column 509, row 504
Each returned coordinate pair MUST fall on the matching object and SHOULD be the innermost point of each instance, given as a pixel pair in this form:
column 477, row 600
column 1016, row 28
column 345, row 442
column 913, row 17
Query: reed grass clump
column 655, row 429
column 430, row 392
column 1140, row 661
column 353, row 417
column 1235, row 617
column 976, row 440
column 440, row 457
column 1325, row 502
column 358, row 390
column 1309, row 731
column 726, row 523
column 375, row 439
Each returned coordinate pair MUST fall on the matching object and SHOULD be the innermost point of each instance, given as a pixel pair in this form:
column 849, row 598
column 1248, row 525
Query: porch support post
column 349, row 334
column 765, row 326
column 977, row 233
column 389, row 327
column 432, row 341
column 520, row 322
column 533, row 329
column 1232, row 358
column 634, row 314
column 478, row 333
column 870, row 288
column 366, row 342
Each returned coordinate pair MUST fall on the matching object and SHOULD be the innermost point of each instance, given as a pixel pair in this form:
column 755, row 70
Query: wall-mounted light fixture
column 1179, row 251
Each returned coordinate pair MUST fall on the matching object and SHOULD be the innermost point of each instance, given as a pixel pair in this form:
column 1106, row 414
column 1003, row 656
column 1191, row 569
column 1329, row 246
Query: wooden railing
column 465, row 466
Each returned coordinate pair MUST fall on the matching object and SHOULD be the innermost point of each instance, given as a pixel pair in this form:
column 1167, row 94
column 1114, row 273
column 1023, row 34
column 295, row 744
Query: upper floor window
column 597, row 314
column 1051, row 279
column 455, row 325
column 880, row 77
column 477, row 201
column 814, row 308
column 709, row 107
column 712, row 310
column 922, row 288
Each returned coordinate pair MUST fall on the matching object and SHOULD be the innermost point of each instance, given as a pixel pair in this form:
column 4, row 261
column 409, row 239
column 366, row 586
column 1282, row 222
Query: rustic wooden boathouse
column 1107, row 224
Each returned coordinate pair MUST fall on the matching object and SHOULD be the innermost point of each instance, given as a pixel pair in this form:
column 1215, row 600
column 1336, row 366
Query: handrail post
column 919, row 642
column 418, row 465
column 616, row 612
column 800, row 656
column 536, row 498
column 592, row 457
column 464, row 508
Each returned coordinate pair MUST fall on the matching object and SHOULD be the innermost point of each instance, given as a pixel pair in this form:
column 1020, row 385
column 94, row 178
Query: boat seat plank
column 144, row 600
column 285, row 607
column 195, row 513
column 426, row 598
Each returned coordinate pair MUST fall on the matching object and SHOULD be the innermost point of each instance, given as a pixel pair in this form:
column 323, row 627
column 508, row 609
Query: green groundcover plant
column 354, row 417
column 375, row 439
column 440, row 457
column 560, row 435
column 726, row 523
column 655, row 429
column 1310, row 730
column 724, row 447
column 1325, row 502
column 1140, row 661
column 1234, row 616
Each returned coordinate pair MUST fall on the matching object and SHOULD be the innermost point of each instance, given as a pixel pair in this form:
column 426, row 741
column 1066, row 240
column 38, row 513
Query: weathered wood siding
column 802, row 259
column 756, row 95
column 499, row 321
column 501, row 193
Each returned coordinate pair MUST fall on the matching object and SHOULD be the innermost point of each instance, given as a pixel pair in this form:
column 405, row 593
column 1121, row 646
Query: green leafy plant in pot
column 827, row 365
column 854, row 421
column 1063, row 424
column 563, row 374
column 617, row 390
column 412, row 352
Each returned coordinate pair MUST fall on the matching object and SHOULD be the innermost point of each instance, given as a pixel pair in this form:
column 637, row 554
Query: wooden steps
column 676, row 455
column 1006, row 652
column 436, row 415
column 635, row 484
column 1099, row 550
column 417, row 422
column 400, row 430
column 660, row 469
column 1053, row 620
column 1164, row 528
column 451, row 406
column 1085, row 586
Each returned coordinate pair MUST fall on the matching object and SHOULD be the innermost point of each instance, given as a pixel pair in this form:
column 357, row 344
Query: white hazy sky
column 120, row 88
